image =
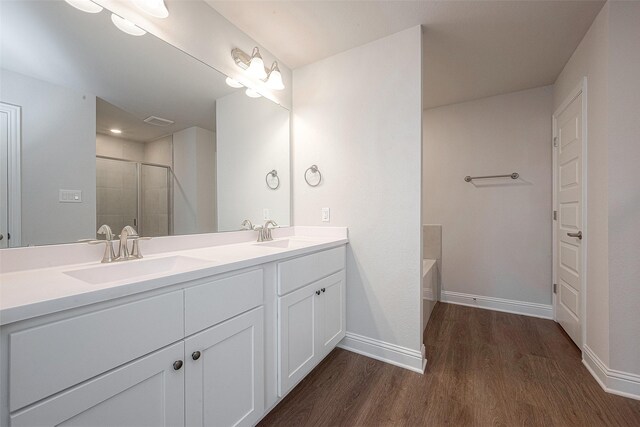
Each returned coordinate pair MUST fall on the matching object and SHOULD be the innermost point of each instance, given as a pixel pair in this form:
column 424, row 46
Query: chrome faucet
column 127, row 233
column 266, row 231
column 109, row 254
column 246, row 225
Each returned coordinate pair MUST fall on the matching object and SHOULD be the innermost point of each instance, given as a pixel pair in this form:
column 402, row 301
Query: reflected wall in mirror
column 125, row 130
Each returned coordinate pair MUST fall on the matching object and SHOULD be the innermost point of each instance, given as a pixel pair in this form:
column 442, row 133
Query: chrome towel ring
column 274, row 177
column 314, row 170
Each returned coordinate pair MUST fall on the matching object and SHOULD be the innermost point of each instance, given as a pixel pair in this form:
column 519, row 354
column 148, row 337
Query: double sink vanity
column 211, row 329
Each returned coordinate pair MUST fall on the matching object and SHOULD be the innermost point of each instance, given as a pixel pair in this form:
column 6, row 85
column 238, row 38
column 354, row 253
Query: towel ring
column 314, row 169
column 274, row 175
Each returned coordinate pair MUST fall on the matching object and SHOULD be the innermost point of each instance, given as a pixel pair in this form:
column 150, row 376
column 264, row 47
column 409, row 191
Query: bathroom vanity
column 215, row 333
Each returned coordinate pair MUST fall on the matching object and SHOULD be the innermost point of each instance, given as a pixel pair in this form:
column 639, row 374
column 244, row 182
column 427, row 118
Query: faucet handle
column 109, row 254
column 135, row 250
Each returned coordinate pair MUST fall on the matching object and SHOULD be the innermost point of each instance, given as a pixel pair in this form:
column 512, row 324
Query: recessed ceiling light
column 85, row 6
column 155, row 8
column 233, row 83
column 127, row 26
column 116, row 131
column 252, row 93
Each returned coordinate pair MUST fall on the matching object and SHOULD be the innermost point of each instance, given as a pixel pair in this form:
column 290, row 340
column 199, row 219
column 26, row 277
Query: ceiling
column 137, row 77
column 472, row 49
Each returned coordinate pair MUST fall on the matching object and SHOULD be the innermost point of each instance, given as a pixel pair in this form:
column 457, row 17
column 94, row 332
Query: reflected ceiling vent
column 158, row 121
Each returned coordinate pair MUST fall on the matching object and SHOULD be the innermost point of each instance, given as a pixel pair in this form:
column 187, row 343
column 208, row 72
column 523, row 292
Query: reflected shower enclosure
column 134, row 193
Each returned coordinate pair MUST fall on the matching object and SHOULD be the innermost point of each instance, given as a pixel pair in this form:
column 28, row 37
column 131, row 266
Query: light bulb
column 127, row 26
column 116, row 131
column 256, row 65
column 155, row 8
column 85, row 6
column 252, row 93
column 233, row 83
column 274, row 81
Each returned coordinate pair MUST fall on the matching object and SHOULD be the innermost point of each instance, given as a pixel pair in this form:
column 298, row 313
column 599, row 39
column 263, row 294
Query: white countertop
column 29, row 293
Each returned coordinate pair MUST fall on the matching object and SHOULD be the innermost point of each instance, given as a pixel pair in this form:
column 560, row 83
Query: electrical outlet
column 326, row 215
column 266, row 214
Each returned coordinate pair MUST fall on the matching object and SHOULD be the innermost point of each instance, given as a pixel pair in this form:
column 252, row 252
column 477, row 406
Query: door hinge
column 555, row 141
column 555, row 215
column 555, row 288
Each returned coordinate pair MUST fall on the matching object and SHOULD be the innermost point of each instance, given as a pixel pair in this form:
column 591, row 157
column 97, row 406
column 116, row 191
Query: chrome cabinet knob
column 195, row 355
column 323, row 290
column 317, row 292
column 177, row 365
column 578, row 235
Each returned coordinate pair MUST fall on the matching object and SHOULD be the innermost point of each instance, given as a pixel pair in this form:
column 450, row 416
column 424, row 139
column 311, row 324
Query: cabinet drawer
column 219, row 300
column 298, row 272
column 50, row 358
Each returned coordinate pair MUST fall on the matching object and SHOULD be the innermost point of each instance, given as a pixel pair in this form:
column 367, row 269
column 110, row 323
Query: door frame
column 581, row 88
column 14, row 195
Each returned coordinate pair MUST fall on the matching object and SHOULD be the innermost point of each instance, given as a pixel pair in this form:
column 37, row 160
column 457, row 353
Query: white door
column 225, row 373
column 569, row 182
column 10, row 204
column 332, row 309
column 4, row 179
column 298, row 327
column 147, row 392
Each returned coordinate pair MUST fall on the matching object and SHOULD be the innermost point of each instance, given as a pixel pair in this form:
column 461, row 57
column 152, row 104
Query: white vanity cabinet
column 217, row 350
column 146, row 392
column 225, row 373
column 311, row 318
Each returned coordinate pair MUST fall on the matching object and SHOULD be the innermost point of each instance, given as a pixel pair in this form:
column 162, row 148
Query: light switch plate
column 70, row 196
column 326, row 215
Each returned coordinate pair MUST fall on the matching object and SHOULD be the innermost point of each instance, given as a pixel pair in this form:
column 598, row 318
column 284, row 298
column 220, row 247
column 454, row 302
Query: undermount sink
column 105, row 273
column 285, row 243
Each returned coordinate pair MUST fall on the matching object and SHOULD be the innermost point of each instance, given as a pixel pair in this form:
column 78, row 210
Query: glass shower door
column 116, row 193
column 155, row 200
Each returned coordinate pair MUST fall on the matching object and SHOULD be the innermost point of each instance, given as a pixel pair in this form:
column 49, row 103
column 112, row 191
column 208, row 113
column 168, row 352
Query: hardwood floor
column 484, row 368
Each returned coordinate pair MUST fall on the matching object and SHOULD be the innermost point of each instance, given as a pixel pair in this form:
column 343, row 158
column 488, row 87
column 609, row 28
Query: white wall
column 590, row 60
column 120, row 148
column 252, row 140
column 357, row 115
column 202, row 32
column 624, row 185
column 496, row 234
column 610, row 59
column 58, row 152
column 194, row 189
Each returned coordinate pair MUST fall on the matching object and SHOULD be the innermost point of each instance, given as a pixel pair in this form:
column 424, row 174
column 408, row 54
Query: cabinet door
column 297, row 328
column 147, row 392
column 333, row 310
column 225, row 372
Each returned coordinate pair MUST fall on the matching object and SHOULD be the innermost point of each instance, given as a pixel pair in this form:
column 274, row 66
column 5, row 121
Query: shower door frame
column 139, row 189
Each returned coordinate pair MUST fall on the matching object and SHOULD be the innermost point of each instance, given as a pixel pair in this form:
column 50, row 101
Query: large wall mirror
column 128, row 130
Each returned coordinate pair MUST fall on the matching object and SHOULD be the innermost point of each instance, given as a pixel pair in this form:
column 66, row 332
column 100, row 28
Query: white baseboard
column 612, row 381
column 384, row 351
column 499, row 304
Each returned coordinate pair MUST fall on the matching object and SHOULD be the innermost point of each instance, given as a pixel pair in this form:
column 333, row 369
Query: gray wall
column 496, row 234
column 58, row 152
column 357, row 115
column 252, row 139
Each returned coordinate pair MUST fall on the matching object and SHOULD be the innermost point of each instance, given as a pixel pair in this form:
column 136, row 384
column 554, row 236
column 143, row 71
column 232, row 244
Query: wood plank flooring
column 485, row 368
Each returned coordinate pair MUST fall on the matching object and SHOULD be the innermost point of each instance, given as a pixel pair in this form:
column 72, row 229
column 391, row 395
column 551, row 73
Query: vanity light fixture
column 155, row 8
column 127, row 26
column 252, row 93
column 116, row 131
column 255, row 67
column 274, row 79
column 233, row 83
column 85, row 6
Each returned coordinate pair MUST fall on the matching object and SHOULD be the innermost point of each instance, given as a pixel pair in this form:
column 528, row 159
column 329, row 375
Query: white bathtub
column 429, row 288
